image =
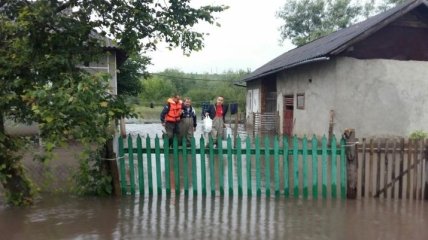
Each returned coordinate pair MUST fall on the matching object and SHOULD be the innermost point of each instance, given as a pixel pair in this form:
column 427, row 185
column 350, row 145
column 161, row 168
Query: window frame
column 300, row 101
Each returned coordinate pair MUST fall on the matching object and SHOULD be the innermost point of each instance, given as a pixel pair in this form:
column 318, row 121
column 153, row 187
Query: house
column 371, row 76
column 108, row 63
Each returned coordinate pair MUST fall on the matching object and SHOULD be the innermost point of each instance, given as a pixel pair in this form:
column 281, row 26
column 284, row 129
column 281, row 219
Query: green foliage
column 12, row 175
column 199, row 87
column 80, row 102
column 386, row 4
column 418, row 135
column 155, row 89
column 91, row 178
column 42, row 45
column 308, row 20
column 130, row 74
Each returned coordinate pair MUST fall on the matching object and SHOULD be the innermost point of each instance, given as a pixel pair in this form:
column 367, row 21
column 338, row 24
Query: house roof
column 334, row 43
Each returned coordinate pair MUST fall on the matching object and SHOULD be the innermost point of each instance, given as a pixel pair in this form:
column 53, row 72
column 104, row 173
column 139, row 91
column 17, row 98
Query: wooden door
column 288, row 115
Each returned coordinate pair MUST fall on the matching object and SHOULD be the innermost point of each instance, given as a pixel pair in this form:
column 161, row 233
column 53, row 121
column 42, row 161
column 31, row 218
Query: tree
column 307, row 20
column 42, row 43
column 386, row 4
column 156, row 89
column 130, row 74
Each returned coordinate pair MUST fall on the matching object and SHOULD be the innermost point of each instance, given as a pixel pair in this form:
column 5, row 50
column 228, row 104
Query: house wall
column 376, row 97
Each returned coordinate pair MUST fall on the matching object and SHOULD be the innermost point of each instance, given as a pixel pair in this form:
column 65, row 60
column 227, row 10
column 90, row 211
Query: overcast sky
column 247, row 38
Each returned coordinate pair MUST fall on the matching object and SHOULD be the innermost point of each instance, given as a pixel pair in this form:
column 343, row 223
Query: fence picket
column 167, row 165
column 248, row 158
column 286, row 168
column 333, row 168
column 229, row 165
column 203, row 176
column 295, row 168
column 212, row 169
column 305, row 167
column 185, row 167
column 314, row 167
column 149, row 164
column 343, row 177
column 267, row 167
column 131, row 165
column 372, row 168
column 158, row 166
column 396, row 170
column 239, row 167
column 258, row 177
column 176, row 167
column 276, row 165
column 324, row 167
column 221, row 165
column 194, row 174
column 123, row 182
column 140, row 165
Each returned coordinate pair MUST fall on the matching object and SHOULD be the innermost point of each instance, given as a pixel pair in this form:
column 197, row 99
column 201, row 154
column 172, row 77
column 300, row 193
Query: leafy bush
column 418, row 135
column 91, row 178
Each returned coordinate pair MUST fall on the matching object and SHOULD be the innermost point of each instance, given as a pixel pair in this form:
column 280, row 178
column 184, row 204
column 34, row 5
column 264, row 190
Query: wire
column 196, row 79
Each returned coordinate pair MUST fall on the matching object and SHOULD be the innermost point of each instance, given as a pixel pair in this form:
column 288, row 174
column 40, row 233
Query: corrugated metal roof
column 333, row 43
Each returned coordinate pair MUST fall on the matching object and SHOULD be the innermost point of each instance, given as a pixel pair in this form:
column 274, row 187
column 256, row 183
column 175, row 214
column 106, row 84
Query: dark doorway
column 288, row 115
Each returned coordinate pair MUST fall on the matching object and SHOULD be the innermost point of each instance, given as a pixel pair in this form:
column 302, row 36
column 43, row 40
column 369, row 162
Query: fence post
column 426, row 172
column 351, row 169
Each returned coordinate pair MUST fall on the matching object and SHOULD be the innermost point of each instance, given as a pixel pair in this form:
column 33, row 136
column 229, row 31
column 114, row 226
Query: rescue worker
column 188, row 121
column 170, row 117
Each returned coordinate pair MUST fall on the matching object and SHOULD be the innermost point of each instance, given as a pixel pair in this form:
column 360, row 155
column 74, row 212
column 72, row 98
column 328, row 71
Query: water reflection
column 175, row 217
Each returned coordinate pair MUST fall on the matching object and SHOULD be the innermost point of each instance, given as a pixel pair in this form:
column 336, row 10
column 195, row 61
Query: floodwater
column 214, row 218
column 156, row 129
column 219, row 217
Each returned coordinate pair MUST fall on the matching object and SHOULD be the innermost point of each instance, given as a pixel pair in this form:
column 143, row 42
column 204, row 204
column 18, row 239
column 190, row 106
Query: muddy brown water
column 182, row 217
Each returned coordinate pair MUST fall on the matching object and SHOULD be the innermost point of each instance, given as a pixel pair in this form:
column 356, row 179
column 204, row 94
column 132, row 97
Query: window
column 300, row 101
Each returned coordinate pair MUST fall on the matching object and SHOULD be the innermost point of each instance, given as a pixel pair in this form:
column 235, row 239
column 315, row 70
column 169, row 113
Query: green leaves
column 80, row 109
column 308, row 20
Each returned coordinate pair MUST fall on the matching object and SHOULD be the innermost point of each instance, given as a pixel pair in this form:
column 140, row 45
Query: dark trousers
column 172, row 130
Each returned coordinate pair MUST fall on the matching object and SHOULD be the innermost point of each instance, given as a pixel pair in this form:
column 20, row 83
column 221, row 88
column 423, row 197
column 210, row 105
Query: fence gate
column 392, row 168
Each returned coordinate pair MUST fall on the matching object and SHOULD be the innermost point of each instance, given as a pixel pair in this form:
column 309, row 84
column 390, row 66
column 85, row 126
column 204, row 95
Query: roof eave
column 273, row 71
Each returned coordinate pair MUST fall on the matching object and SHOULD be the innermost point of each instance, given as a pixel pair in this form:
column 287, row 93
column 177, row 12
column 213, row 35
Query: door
column 288, row 115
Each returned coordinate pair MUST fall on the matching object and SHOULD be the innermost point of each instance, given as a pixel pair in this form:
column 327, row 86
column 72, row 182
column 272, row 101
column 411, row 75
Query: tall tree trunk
column 18, row 188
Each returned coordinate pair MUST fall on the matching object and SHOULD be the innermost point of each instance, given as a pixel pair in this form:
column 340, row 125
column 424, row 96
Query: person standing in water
column 188, row 123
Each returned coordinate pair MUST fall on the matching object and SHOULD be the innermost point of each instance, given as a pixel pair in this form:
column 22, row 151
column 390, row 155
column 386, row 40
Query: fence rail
column 297, row 167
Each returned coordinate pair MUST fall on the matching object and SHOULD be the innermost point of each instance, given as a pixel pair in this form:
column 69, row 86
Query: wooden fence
column 297, row 167
column 392, row 168
column 265, row 123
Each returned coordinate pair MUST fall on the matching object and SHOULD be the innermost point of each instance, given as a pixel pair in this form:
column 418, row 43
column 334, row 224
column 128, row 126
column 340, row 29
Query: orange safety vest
column 174, row 112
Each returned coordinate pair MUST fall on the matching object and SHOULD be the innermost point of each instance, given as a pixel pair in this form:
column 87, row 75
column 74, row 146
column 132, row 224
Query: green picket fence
column 301, row 168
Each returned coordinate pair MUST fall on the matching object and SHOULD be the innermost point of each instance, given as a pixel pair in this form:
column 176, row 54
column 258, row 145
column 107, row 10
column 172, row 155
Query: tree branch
column 66, row 5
